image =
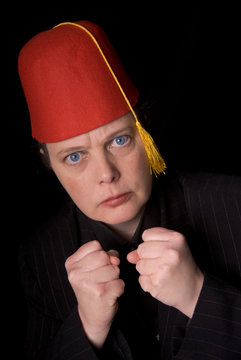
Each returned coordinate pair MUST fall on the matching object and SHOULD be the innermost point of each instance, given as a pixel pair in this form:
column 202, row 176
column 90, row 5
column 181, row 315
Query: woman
column 121, row 271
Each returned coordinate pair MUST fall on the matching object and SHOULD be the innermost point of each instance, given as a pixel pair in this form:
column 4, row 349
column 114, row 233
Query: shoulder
column 211, row 199
column 215, row 183
column 214, row 203
column 42, row 263
column 209, row 194
column 53, row 236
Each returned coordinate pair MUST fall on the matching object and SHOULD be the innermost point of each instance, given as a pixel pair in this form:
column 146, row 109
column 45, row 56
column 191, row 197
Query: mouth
column 116, row 200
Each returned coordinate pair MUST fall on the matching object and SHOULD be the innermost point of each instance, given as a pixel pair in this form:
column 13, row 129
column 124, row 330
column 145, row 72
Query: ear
column 41, row 151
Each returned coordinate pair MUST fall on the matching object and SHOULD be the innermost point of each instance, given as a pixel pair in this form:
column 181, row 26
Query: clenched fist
column 94, row 277
column 167, row 269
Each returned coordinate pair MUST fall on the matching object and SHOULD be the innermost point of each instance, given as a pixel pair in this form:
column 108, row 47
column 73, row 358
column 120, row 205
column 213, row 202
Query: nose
column 106, row 169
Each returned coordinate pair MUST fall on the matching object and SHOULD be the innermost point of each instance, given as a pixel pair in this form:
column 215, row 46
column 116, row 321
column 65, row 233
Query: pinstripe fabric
column 54, row 329
column 214, row 205
column 209, row 216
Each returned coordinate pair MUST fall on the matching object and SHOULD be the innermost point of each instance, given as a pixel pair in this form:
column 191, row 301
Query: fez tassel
column 157, row 163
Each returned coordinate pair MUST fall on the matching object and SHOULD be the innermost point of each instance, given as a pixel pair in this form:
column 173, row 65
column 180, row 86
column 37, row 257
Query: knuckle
column 84, row 284
column 103, row 257
column 95, row 243
column 179, row 238
column 145, row 234
column 122, row 284
column 165, row 272
column 142, row 282
column 98, row 290
column 141, row 249
column 119, row 293
column 67, row 263
column 173, row 256
column 114, row 272
column 155, row 279
column 140, row 266
column 116, row 288
column 73, row 276
column 145, row 283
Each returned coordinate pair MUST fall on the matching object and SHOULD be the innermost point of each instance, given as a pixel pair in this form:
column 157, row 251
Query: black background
column 184, row 57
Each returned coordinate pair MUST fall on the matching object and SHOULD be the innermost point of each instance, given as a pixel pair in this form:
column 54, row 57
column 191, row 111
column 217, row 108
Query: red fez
column 73, row 81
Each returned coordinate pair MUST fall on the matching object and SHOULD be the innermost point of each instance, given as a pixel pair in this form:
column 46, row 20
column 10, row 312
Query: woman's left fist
column 167, row 269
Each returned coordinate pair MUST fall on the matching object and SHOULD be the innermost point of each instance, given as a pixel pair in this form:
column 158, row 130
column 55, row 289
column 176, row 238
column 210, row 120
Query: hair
column 44, row 154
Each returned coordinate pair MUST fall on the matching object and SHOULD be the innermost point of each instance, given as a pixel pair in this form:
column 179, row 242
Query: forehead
column 101, row 133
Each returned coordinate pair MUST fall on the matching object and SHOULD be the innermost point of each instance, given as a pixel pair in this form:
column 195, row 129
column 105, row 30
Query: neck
column 127, row 229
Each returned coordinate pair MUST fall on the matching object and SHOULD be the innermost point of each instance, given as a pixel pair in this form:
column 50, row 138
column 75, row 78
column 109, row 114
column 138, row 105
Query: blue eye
column 74, row 158
column 120, row 140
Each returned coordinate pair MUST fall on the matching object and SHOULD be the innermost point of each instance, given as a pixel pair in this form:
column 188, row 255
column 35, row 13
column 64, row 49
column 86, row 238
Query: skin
column 106, row 173
column 105, row 169
column 167, row 269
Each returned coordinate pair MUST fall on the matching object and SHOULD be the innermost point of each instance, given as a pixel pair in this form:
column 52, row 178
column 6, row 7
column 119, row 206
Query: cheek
column 82, row 195
column 139, row 175
column 77, row 188
column 140, row 166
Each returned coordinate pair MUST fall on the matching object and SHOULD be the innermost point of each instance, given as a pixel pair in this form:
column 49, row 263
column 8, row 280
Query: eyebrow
column 117, row 132
column 82, row 148
column 70, row 150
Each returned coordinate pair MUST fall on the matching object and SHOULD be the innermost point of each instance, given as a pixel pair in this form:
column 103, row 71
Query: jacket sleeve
column 214, row 332
column 50, row 336
column 70, row 342
column 214, row 206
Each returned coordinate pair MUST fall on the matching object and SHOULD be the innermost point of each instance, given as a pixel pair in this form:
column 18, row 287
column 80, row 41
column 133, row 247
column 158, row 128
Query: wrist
column 188, row 307
column 95, row 337
column 95, row 334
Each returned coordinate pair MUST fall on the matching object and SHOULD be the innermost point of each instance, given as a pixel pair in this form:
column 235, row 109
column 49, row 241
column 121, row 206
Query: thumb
column 114, row 257
column 133, row 257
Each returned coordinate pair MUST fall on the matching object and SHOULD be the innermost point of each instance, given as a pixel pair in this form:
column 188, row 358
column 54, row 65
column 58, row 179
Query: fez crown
column 73, row 81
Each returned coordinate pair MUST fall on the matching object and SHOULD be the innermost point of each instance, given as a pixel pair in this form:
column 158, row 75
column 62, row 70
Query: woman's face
column 105, row 171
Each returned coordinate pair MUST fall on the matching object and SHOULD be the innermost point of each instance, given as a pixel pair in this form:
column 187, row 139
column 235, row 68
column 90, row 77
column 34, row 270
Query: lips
column 116, row 200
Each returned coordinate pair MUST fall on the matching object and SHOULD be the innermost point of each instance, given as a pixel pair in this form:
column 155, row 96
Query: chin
column 120, row 216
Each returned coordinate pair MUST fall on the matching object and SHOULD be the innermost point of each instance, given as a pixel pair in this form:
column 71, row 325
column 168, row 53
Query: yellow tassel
column 157, row 164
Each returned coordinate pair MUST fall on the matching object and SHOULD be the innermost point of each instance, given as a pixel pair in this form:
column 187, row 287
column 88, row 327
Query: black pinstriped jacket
column 206, row 208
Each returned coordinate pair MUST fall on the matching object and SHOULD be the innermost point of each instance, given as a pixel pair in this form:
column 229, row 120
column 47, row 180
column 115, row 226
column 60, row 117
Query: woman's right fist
column 94, row 276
